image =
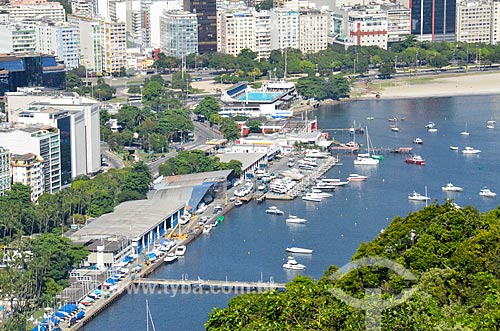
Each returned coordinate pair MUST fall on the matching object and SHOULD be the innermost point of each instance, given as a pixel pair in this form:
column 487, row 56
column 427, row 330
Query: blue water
column 259, row 96
column 250, row 244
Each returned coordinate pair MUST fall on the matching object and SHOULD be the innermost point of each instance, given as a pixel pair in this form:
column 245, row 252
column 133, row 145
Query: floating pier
column 210, row 284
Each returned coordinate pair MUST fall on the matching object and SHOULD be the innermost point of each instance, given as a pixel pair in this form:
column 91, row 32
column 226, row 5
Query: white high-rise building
column 17, row 38
column 367, row 26
column 77, row 119
column 91, row 42
column 244, row 29
column 60, row 39
column 473, row 22
column 5, row 173
column 313, row 32
column 52, row 11
column 42, row 141
column 152, row 13
column 115, row 47
column 179, row 33
column 495, row 22
column 285, row 29
column 27, row 169
column 398, row 22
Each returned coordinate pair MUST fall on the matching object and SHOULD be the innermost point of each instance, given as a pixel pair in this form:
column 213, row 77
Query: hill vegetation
column 455, row 254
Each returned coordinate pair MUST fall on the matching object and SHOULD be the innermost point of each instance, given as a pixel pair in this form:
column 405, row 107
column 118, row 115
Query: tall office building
column 5, row 177
column 41, row 141
column 433, row 20
column 27, row 169
column 179, row 33
column 206, row 11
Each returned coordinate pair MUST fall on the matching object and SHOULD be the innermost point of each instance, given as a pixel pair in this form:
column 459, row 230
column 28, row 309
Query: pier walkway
column 310, row 179
column 207, row 284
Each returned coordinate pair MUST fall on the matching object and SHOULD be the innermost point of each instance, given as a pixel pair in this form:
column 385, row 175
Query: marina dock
column 210, row 284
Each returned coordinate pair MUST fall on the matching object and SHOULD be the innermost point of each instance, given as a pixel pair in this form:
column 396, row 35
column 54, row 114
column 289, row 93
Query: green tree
column 229, row 129
column 207, row 107
column 254, row 126
column 181, row 80
column 387, row 69
column 138, row 179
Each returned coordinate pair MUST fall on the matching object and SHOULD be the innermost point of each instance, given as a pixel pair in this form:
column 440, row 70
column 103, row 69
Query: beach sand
column 431, row 86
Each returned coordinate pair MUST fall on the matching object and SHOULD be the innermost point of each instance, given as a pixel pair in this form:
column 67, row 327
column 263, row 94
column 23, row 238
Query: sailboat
column 370, row 145
column 394, row 127
column 149, row 318
column 366, row 159
column 465, row 133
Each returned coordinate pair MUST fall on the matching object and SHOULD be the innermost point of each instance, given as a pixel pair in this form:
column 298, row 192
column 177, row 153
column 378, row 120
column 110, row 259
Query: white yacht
column 451, row 188
column 316, row 153
column 273, row 210
column 356, row 178
column 295, row 219
column 298, row 250
column 365, row 159
column 180, row 250
column 485, row 192
column 333, row 181
column 292, row 264
column 417, row 197
column 171, row 257
column 470, row 150
column 320, row 193
column 207, row 228
column 312, row 197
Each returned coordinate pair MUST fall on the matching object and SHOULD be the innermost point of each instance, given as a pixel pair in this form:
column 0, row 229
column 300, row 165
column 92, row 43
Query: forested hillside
column 454, row 253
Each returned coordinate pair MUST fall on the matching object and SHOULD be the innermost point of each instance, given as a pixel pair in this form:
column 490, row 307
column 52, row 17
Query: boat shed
column 250, row 161
column 142, row 222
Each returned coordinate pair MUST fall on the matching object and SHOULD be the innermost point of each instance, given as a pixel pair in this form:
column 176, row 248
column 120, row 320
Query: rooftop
column 131, row 219
column 246, row 159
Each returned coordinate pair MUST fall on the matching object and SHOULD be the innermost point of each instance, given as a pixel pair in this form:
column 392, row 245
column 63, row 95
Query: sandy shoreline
column 430, row 86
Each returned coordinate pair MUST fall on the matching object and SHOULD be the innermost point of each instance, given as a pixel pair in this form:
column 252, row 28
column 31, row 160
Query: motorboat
column 418, row 141
column 430, row 125
column 292, row 264
column 333, row 181
column 316, row 153
column 356, row 178
column 312, row 197
column 454, row 148
column 261, row 187
column 298, row 250
column 417, row 197
column 490, row 124
column 273, row 210
column 432, row 130
column 485, row 192
column 394, row 119
column 470, row 150
column 207, row 228
column 324, row 186
column 238, row 203
column 180, row 250
column 416, row 159
column 171, row 257
column 295, row 219
column 451, row 188
column 370, row 118
column 320, row 193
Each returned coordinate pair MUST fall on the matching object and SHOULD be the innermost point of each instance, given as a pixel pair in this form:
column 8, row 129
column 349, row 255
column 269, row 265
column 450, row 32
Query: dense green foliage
column 101, row 91
column 188, row 162
column 320, row 88
column 453, row 252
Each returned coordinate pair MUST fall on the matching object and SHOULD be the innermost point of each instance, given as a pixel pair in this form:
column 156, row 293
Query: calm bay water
column 250, row 245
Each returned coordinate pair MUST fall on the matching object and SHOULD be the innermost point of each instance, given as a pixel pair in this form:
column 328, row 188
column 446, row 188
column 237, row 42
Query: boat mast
column 147, row 316
column 286, row 62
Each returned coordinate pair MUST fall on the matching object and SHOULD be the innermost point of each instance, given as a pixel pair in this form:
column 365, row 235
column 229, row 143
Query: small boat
column 432, row 130
column 320, row 193
column 416, row 159
column 490, row 124
column 356, row 178
column 451, row 188
column 333, row 182
column 430, row 125
column 238, row 203
column 470, row 150
column 370, row 118
column 207, row 228
column 273, row 210
column 418, row 141
column 312, row 197
column 171, row 257
column 418, row 197
column 465, row 132
column 180, row 250
column 295, row 219
column 298, row 250
column 485, row 192
column 454, row 148
column 261, row 187
column 394, row 119
column 292, row 264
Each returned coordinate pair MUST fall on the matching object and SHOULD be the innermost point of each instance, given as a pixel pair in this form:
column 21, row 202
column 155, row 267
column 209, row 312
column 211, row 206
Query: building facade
column 51, row 11
column 313, row 31
column 398, row 22
column 284, row 29
column 179, row 33
column 5, row 172
column 474, row 20
column 114, row 47
column 368, row 27
column 27, row 169
column 206, row 11
column 17, row 38
column 60, row 39
column 41, row 141
column 433, row 20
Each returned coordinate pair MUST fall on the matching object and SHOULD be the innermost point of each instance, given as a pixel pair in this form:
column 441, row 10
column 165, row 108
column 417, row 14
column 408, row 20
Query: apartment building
column 35, row 10
column 41, row 141
column 398, row 21
column 60, row 39
column 17, row 38
column 313, row 31
column 284, row 29
column 179, row 33
column 91, row 42
column 367, row 26
column 5, row 172
column 474, row 20
column 115, row 46
column 27, row 169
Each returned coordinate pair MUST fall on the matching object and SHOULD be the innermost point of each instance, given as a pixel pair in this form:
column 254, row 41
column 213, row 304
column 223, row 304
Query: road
column 113, row 160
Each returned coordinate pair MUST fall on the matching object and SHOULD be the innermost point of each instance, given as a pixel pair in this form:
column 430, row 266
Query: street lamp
column 354, row 67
